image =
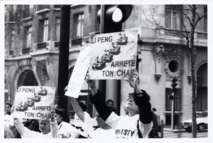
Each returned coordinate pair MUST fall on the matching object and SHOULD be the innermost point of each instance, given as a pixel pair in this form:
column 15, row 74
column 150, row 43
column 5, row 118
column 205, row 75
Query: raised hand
column 134, row 80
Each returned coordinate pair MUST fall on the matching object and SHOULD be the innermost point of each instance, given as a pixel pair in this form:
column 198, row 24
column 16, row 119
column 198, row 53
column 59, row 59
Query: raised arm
column 77, row 109
column 97, row 99
column 142, row 99
column 19, row 126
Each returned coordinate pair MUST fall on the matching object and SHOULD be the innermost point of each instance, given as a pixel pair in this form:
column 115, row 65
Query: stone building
column 32, row 36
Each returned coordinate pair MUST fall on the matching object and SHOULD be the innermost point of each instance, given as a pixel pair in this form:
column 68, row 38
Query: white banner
column 113, row 55
column 34, row 102
column 79, row 73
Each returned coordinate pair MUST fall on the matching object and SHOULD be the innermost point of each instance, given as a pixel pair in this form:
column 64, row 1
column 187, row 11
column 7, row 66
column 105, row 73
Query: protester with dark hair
column 66, row 130
column 110, row 103
column 138, row 122
column 7, row 108
column 32, row 124
column 7, row 118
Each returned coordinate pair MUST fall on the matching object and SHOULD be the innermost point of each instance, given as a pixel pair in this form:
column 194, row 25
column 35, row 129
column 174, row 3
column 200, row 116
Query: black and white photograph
column 106, row 71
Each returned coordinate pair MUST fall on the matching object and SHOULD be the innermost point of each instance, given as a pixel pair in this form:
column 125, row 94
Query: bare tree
column 191, row 15
column 12, row 24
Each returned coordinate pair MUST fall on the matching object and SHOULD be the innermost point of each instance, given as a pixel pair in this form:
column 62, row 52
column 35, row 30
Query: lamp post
column 63, row 56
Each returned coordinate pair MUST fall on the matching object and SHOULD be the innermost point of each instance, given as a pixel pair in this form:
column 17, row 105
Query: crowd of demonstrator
column 139, row 120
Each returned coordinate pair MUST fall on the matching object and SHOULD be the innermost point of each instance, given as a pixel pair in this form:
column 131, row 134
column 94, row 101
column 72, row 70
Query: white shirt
column 67, row 131
column 8, row 120
column 79, row 123
column 98, row 133
column 126, row 126
column 27, row 133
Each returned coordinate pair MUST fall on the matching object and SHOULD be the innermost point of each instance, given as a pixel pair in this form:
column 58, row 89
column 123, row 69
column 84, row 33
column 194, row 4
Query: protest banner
column 113, row 55
column 34, row 102
column 79, row 73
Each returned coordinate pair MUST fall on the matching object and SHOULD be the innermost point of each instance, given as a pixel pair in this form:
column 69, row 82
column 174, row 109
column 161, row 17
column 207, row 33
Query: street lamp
column 62, row 100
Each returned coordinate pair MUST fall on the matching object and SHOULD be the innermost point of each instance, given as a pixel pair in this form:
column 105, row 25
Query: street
column 169, row 134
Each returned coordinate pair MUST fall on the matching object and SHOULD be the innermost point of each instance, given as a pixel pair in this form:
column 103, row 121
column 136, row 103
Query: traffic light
column 174, row 83
column 113, row 17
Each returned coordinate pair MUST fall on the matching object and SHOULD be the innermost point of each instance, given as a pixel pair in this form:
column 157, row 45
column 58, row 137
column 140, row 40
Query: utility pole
column 63, row 57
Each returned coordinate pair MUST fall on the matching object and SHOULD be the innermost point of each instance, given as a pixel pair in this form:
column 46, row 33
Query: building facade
column 32, row 36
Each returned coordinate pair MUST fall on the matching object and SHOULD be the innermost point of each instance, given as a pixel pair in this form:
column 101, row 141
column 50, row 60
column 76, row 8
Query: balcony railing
column 41, row 46
column 57, row 6
column 25, row 51
column 57, row 44
column 42, row 7
column 202, row 36
column 181, row 34
column 76, row 41
column 176, row 33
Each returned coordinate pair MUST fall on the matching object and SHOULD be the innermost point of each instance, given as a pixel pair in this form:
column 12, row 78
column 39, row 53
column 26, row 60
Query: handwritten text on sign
column 79, row 73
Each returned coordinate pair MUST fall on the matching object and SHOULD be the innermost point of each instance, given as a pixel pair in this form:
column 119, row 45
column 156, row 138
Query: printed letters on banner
column 34, row 102
column 113, row 55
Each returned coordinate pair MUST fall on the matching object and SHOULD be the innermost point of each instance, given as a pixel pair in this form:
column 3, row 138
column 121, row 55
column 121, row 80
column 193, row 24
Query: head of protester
column 66, row 130
column 7, row 108
column 137, row 123
column 61, row 115
column 44, row 126
column 110, row 102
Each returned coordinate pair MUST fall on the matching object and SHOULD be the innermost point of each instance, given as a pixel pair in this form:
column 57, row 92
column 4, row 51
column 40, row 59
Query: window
column 172, row 17
column 13, row 39
column 202, row 78
column 43, row 33
column 28, row 10
column 28, row 36
column 58, row 25
column 80, row 25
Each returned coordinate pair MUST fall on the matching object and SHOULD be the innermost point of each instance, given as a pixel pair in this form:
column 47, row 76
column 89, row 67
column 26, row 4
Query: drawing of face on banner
column 113, row 55
column 34, row 102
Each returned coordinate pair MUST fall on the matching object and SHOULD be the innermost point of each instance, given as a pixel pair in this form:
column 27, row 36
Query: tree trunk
column 194, row 124
column 193, row 54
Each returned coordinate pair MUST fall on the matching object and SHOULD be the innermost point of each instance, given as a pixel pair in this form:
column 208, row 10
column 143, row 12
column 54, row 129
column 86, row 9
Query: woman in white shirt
column 138, row 121
column 49, row 129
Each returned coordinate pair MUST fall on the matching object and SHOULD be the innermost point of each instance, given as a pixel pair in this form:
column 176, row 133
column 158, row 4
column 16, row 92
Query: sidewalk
column 168, row 129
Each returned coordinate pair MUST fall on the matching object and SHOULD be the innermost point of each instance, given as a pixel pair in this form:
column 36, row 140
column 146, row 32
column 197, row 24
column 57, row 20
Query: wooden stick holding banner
column 79, row 73
column 34, row 102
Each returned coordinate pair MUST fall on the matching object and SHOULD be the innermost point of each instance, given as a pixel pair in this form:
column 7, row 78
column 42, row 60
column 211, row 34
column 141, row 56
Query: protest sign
column 79, row 73
column 113, row 55
column 34, row 102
